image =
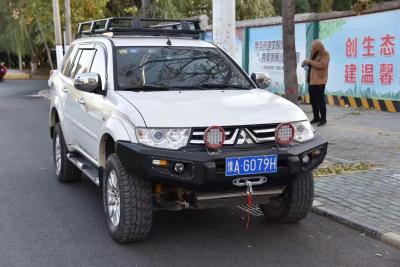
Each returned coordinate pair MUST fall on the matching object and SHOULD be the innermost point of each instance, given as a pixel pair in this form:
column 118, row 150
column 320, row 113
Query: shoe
column 314, row 121
column 322, row 123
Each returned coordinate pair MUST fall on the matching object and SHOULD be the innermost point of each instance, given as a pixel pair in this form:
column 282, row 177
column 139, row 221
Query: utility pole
column 57, row 32
column 224, row 32
column 68, row 32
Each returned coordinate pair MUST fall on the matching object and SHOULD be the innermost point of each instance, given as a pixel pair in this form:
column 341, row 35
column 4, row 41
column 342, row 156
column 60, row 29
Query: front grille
column 239, row 135
column 197, row 137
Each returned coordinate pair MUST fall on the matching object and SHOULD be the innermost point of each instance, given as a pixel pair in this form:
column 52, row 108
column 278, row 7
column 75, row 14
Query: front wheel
column 128, row 203
column 295, row 202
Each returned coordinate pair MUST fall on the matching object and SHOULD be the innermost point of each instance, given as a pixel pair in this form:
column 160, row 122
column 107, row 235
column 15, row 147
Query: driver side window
column 99, row 64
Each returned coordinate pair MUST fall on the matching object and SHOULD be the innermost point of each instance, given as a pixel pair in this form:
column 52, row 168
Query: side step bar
column 85, row 166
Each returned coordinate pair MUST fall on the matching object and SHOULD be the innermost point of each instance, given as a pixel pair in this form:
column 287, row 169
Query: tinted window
column 85, row 61
column 68, row 59
column 99, row 64
column 186, row 67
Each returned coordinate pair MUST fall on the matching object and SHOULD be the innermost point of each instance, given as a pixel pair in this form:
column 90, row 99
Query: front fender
column 119, row 129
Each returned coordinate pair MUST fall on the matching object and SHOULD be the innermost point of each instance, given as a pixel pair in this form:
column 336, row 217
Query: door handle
column 65, row 90
column 81, row 101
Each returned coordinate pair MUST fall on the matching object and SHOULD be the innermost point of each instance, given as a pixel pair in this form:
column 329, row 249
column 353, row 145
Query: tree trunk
column 289, row 50
column 146, row 8
column 20, row 67
column 46, row 47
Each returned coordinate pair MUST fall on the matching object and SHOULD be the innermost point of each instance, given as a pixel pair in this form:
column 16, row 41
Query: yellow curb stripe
column 330, row 100
column 362, row 102
column 352, row 102
column 341, row 101
column 391, row 238
column 376, row 104
column 365, row 103
column 389, row 106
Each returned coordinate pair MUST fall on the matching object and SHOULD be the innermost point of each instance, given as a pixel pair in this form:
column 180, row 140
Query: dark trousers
column 317, row 99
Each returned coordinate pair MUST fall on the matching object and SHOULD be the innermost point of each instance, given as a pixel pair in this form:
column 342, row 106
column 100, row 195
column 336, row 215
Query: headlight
column 304, row 131
column 164, row 138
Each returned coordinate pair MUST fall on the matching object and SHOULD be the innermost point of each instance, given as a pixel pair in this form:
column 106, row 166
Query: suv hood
column 212, row 107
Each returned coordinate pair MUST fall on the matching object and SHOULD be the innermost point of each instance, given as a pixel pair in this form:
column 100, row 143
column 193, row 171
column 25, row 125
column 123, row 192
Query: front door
column 94, row 106
column 75, row 105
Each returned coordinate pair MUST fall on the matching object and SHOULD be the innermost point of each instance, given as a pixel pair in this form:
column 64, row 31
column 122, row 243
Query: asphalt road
column 45, row 223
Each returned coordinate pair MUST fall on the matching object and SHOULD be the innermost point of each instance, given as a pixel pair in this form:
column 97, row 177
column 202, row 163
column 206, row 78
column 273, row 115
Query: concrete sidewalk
column 368, row 200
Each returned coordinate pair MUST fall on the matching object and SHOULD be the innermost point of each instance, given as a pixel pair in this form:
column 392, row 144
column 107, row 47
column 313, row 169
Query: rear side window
column 85, row 61
column 68, row 59
column 71, row 74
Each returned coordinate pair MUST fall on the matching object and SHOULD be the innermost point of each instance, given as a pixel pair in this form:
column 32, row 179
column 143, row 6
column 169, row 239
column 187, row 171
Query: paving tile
column 370, row 136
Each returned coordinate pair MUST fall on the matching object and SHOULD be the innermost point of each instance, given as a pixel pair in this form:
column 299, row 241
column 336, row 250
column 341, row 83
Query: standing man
column 317, row 77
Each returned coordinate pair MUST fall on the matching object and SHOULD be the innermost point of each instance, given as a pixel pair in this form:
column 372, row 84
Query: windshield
column 177, row 68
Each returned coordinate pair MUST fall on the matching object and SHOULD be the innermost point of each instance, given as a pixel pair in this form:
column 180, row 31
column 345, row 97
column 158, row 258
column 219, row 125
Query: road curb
column 358, row 223
column 44, row 93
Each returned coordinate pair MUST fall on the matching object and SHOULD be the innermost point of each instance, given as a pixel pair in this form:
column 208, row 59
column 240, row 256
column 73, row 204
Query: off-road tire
column 69, row 172
column 136, row 203
column 295, row 202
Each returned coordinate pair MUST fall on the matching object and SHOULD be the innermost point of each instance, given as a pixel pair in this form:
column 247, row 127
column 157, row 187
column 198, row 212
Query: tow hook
column 257, row 180
column 249, row 182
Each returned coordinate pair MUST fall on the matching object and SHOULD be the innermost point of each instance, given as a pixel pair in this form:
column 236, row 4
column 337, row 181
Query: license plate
column 251, row 165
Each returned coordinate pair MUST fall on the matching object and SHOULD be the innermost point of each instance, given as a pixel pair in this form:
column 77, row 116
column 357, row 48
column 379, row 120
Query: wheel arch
column 106, row 148
column 53, row 120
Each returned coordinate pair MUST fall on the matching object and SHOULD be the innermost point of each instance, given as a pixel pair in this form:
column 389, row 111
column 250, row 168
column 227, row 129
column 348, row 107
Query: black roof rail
column 135, row 26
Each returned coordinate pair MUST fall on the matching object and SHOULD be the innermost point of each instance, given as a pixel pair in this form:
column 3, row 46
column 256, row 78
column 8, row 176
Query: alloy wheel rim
column 113, row 198
column 57, row 151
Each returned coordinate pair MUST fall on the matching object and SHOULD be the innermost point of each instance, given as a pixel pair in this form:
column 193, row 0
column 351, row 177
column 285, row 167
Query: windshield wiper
column 221, row 86
column 149, row 87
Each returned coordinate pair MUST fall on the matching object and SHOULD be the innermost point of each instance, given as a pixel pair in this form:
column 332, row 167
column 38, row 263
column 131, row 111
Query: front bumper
column 205, row 172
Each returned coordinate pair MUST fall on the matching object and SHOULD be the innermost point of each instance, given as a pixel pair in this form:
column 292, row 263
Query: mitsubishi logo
column 244, row 138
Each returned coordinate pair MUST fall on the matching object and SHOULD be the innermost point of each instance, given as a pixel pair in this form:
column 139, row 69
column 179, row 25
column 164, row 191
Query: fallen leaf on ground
column 339, row 168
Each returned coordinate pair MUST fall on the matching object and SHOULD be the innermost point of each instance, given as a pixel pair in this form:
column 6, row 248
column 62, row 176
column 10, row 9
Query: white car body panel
column 87, row 117
column 202, row 108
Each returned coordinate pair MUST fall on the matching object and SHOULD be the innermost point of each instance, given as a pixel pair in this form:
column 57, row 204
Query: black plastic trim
column 201, row 167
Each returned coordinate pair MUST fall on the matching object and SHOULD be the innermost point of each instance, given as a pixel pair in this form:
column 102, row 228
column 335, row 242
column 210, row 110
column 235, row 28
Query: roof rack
column 134, row 26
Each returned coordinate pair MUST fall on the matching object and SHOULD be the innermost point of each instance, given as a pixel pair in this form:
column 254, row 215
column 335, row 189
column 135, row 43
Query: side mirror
column 261, row 79
column 87, row 82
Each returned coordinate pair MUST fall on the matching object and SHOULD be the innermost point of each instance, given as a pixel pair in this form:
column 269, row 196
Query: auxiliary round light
column 284, row 133
column 214, row 137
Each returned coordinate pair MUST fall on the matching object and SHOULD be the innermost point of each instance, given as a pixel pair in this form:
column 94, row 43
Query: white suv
column 164, row 121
